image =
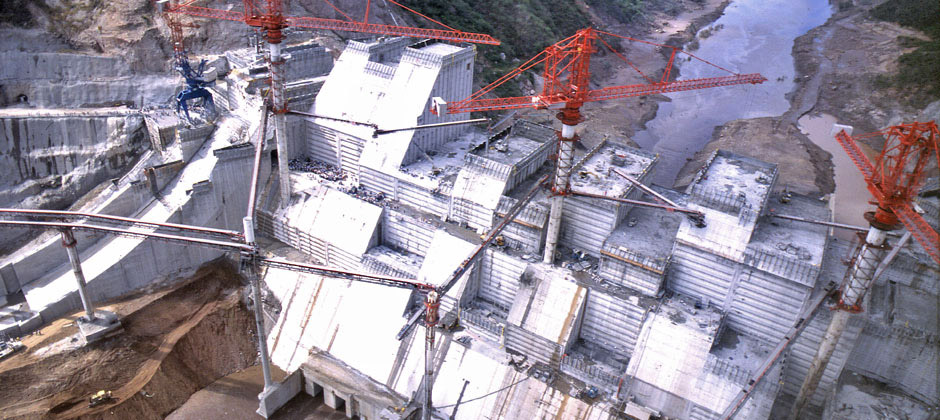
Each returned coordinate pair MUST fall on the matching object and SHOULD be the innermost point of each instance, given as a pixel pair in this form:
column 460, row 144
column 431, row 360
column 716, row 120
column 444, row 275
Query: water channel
column 850, row 200
column 755, row 36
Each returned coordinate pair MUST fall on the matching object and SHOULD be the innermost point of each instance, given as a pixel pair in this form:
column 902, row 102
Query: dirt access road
column 175, row 342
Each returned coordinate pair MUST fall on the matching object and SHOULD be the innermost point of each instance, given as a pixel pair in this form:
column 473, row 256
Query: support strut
column 68, row 241
column 852, row 292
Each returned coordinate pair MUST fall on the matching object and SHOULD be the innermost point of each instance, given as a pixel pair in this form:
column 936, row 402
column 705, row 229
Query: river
column 756, row 36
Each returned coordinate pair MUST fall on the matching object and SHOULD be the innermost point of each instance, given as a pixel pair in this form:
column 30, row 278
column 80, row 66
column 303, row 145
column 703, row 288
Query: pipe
column 307, row 114
column 235, row 246
column 639, row 203
column 253, row 191
column 255, row 280
column 560, row 187
column 819, row 222
column 861, row 275
column 104, row 217
column 419, row 127
column 68, row 241
column 645, row 189
column 892, row 254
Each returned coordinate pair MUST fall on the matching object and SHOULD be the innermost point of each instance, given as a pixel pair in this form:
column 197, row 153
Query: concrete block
column 10, row 329
column 32, row 323
column 332, row 400
column 279, row 394
column 312, row 388
column 9, row 283
column 105, row 324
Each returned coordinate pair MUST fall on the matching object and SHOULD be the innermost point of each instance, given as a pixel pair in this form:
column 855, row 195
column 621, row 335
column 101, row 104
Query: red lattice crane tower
column 268, row 16
column 566, row 87
column 893, row 180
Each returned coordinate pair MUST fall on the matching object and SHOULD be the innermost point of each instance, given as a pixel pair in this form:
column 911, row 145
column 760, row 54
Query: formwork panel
column 406, row 232
column 645, row 275
column 499, row 278
column 698, row 274
column 321, row 143
column 611, row 322
column 585, row 226
column 764, row 305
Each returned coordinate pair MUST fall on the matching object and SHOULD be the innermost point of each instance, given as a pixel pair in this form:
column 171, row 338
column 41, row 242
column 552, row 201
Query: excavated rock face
column 50, row 162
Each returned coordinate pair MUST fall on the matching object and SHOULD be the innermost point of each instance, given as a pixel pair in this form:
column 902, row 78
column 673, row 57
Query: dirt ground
column 836, row 65
column 174, row 343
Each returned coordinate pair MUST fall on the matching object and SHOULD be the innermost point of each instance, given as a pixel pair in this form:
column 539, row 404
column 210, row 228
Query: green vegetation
column 623, row 10
column 919, row 70
column 525, row 28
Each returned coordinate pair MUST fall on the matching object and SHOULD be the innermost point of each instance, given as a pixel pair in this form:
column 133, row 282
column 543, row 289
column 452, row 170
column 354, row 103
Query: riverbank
column 837, row 67
column 624, row 117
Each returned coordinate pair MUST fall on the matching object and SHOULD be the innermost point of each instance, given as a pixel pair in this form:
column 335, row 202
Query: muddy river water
column 753, row 36
column 849, row 202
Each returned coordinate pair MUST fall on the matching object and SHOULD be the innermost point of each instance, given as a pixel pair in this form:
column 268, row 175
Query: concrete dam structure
column 645, row 313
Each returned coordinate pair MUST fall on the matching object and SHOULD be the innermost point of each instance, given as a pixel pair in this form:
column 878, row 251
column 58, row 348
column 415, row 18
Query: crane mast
column 566, row 87
column 893, row 181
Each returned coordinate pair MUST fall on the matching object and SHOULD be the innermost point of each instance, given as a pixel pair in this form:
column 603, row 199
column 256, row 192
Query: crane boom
column 603, row 94
column 340, row 25
column 896, row 174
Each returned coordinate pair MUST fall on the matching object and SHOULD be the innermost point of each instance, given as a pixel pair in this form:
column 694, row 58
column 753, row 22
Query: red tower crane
column 270, row 18
column 893, row 180
column 566, row 87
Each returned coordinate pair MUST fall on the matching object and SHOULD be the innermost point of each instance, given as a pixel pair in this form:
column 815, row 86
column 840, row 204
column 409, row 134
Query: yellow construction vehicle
column 100, row 397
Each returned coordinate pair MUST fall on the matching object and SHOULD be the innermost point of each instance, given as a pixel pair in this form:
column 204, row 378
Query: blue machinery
column 195, row 90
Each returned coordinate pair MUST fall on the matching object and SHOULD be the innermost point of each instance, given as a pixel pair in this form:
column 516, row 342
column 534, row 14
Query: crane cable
column 487, row 395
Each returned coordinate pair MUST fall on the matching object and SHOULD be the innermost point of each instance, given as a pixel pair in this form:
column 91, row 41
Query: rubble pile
column 360, row 192
column 324, row 170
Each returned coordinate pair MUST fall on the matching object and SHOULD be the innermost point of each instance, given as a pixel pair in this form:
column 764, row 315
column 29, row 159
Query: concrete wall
column 611, row 322
column 901, row 357
column 232, row 173
column 414, row 196
column 764, row 305
column 500, row 275
column 632, row 270
column 701, row 275
column 305, row 61
column 322, row 143
column 407, row 231
column 189, row 140
column 454, row 82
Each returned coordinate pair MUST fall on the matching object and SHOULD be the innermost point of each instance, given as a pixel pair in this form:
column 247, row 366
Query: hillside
column 134, row 29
